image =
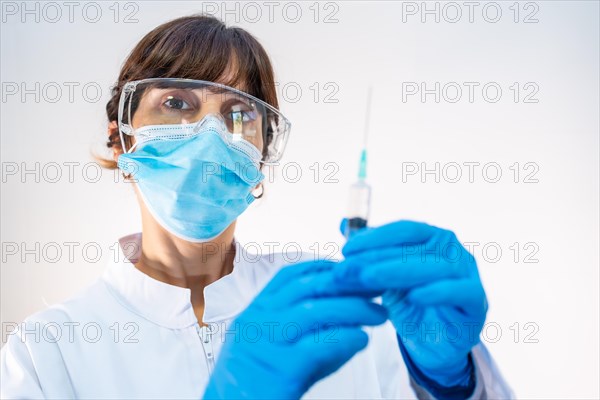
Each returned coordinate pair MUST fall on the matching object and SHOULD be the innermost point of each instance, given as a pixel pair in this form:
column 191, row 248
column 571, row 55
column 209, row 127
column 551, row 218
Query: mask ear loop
column 132, row 147
column 124, row 93
column 127, row 176
column 262, row 191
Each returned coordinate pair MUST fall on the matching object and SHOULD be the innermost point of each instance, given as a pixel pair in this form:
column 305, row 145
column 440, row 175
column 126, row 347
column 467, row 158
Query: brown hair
column 195, row 47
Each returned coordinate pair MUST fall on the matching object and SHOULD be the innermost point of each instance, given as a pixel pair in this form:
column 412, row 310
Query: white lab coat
column 130, row 336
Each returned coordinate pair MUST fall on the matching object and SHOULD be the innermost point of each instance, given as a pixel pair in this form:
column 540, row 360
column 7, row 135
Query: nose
column 211, row 120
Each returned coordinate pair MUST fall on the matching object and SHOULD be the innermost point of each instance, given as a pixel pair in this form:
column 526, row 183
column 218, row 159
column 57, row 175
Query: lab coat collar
column 169, row 305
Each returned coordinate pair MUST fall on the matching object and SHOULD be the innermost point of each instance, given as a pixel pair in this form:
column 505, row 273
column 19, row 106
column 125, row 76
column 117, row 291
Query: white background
column 363, row 43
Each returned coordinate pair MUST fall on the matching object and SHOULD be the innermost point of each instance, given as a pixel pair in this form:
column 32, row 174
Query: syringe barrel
column 359, row 200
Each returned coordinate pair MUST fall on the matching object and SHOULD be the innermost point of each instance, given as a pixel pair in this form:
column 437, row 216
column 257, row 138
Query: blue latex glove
column 432, row 291
column 279, row 364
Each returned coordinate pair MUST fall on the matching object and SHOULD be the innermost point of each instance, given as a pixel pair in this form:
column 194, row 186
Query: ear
column 113, row 137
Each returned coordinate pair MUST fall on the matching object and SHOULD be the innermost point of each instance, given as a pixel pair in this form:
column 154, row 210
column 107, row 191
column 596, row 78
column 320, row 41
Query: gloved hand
column 432, row 291
column 309, row 324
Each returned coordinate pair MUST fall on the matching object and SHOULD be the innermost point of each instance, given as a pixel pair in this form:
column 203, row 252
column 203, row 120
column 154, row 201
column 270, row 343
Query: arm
column 19, row 377
column 31, row 362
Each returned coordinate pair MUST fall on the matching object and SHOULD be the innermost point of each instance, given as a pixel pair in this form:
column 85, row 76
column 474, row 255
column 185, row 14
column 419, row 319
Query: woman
column 187, row 313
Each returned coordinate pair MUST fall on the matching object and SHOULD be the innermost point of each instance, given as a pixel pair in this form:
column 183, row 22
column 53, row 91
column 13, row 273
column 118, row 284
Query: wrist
column 454, row 381
column 451, row 374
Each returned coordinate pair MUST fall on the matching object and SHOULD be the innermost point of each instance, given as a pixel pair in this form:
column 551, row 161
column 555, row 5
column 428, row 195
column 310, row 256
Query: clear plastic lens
column 167, row 101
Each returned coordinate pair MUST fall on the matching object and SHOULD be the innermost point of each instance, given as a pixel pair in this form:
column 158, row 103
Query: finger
column 467, row 294
column 396, row 274
column 332, row 349
column 313, row 283
column 432, row 252
column 291, row 273
column 443, row 254
column 441, row 245
column 340, row 311
column 393, row 234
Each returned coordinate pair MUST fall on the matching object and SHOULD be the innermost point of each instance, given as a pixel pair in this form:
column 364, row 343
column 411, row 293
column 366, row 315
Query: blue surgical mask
column 195, row 179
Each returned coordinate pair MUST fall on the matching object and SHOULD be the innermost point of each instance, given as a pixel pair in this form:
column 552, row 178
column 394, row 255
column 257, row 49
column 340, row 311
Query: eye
column 244, row 116
column 176, row 103
column 240, row 112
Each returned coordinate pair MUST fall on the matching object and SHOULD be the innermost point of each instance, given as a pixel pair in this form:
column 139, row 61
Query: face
column 174, row 102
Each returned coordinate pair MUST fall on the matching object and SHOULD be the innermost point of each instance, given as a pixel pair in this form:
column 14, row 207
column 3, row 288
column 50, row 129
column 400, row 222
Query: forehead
column 232, row 75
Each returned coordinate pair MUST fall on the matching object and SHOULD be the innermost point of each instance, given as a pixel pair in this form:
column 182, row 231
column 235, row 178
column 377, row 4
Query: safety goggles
column 167, row 101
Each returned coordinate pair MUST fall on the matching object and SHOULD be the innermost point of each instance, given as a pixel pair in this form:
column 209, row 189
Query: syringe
column 360, row 192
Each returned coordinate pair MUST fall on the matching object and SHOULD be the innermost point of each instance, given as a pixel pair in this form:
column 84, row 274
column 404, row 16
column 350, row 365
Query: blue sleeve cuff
column 437, row 390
